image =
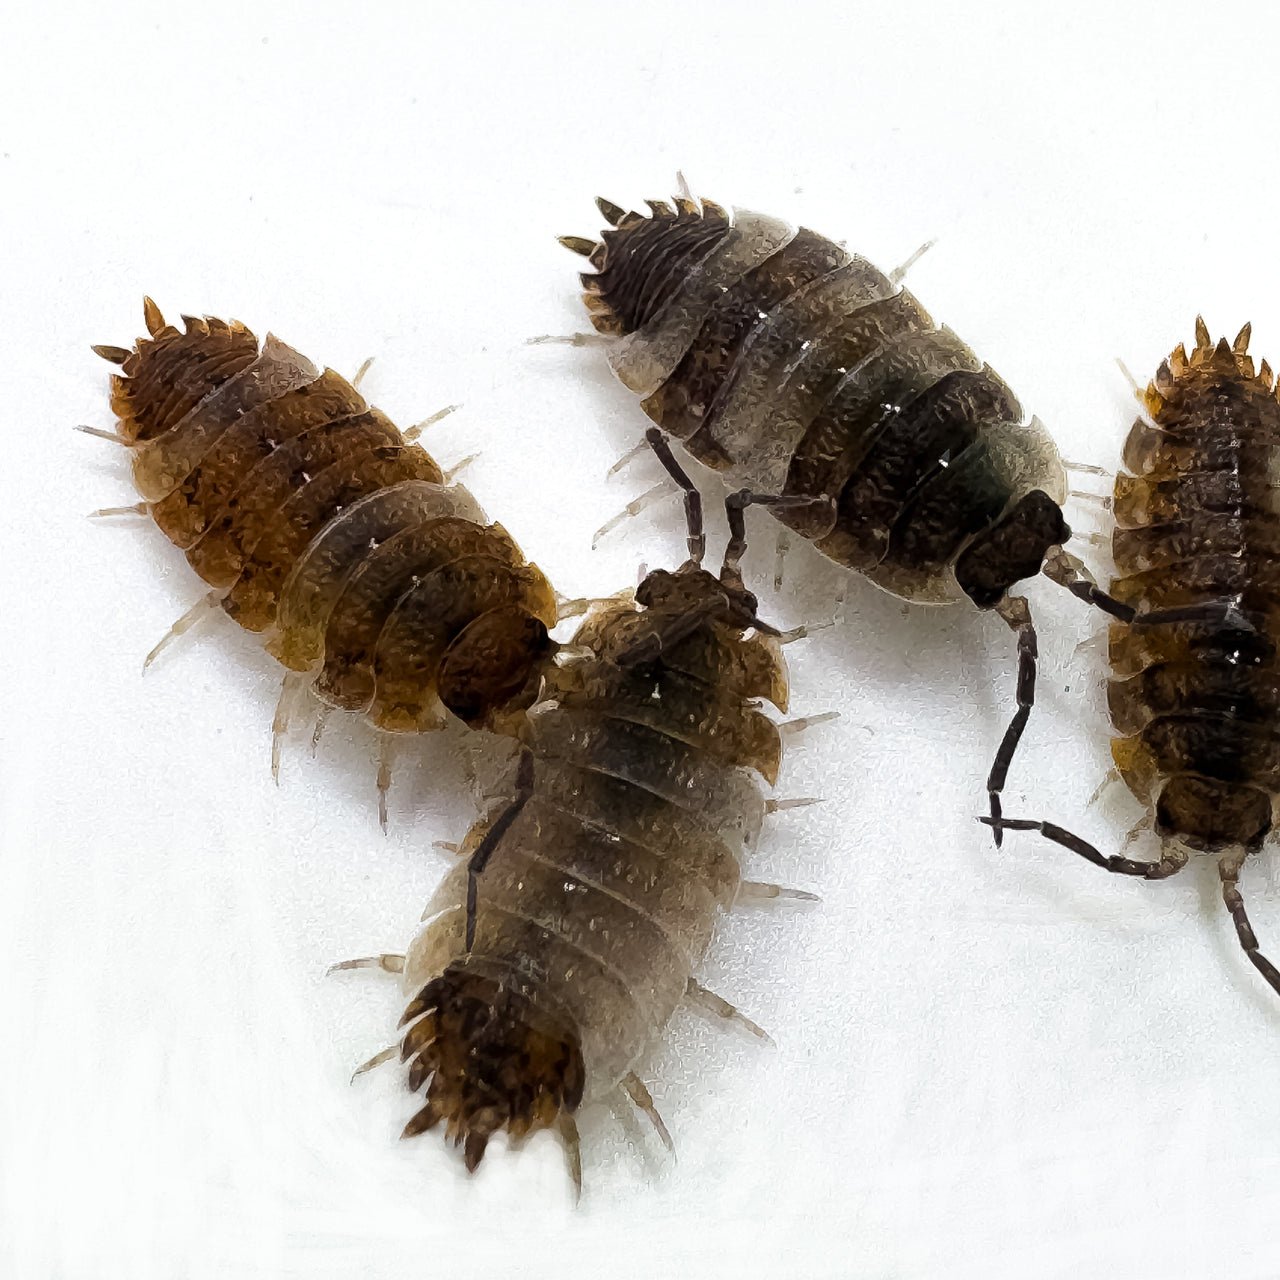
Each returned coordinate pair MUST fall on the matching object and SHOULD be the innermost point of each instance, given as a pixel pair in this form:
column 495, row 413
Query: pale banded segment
column 758, row 417
column 317, row 580
column 612, row 1020
column 645, row 359
column 1027, row 458
column 634, row 814
column 726, row 798
column 160, row 465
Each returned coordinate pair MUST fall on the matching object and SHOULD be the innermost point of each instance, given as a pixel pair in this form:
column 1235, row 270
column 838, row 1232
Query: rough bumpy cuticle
column 1197, row 695
column 323, row 530
column 601, row 894
column 797, row 368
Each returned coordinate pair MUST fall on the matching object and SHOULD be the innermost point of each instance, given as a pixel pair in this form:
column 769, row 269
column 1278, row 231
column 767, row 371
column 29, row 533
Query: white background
column 987, row 1064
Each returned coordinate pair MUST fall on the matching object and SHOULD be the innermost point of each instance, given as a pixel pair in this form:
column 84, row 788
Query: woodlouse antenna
column 697, row 536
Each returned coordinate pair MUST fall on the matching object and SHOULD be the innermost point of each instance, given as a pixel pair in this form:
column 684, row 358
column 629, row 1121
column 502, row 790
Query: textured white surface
column 987, row 1064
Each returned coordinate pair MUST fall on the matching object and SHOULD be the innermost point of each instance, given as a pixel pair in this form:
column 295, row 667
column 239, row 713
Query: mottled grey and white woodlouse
column 796, row 368
column 1195, row 650
column 379, row 586
column 553, row 957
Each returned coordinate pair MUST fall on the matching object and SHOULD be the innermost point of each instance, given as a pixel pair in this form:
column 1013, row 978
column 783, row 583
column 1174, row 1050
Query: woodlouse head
column 490, row 1060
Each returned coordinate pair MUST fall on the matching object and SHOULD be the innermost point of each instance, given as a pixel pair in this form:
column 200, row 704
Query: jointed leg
column 644, row 1101
column 698, row 995
column 1229, row 870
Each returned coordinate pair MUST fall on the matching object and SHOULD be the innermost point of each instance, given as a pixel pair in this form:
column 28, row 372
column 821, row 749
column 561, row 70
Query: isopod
column 797, row 368
column 320, row 527
column 1195, row 698
column 562, row 946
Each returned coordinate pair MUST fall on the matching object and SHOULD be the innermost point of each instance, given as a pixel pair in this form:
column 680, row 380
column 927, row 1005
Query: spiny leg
column 697, row 994
column 387, row 745
column 789, row 728
column 1229, row 871
column 484, row 851
column 293, row 692
column 633, row 508
column 419, row 427
column 643, row 1099
column 799, row 802
column 201, row 609
column 763, row 891
column 692, row 498
column 388, row 962
column 567, row 1129
column 137, row 509
column 1169, row 863
column 383, row 1055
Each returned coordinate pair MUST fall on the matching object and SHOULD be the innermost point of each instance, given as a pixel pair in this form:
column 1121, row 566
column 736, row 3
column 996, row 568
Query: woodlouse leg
column 567, row 1128
column 628, row 458
column 643, row 1099
column 384, row 1055
column 1169, row 864
column 1017, row 613
column 792, row 727
column 1229, row 870
column 114, row 436
column 484, row 851
column 419, row 427
column 776, row 806
column 633, row 508
column 388, row 962
column 387, row 745
column 138, row 509
column 361, row 371
column 781, row 547
column 698, row 995
column 1110, row 779
column 762, row 891
column 572, row 339
column 898, row 274
column 322, row 719
column 205, row 606
column 697, row 536
column 293, row 692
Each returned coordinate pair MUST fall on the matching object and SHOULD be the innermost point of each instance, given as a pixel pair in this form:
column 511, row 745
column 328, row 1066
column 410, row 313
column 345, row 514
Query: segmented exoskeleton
column 560, row 949
column 797, row 368
column 1196, row 649
column 382, row 589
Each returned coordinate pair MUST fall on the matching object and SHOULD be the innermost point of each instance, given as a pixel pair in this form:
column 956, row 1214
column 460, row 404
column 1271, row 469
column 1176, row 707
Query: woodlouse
column 319, row 525
column 561, row 948
column 797, row 368
column 1195, row 650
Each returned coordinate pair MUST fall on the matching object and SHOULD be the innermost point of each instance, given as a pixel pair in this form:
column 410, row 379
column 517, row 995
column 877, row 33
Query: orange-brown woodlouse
column 561, row 948
column 798, row 369
column 1195, row 653
column 320, row 527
